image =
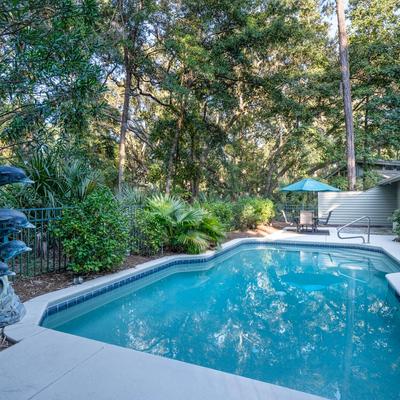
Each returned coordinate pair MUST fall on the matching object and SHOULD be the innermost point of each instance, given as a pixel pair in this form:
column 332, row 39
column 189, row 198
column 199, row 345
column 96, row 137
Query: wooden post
column 348, row 109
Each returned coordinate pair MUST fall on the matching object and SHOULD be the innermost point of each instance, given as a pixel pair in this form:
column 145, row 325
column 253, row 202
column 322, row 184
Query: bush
column 221, row 210
column 252, row 211
column 264, row 209
column 94, row 233
column 149, row 234
column 186, row 228
column 396, row 220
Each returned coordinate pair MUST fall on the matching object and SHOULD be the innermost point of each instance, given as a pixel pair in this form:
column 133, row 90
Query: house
column 378, row 203
column 385, row 168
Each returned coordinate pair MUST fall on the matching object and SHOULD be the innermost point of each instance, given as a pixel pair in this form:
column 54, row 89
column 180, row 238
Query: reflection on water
column 317, row 320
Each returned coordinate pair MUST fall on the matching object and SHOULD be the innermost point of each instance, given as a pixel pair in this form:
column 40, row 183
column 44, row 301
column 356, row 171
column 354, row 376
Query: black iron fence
column 138, row 242
column 47, row 254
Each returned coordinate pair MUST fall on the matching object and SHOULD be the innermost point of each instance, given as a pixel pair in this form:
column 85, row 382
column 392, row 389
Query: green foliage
column 51, row 84
column 370, row 179
column 251, row 211
column 229, row 99
column 374, row 58
column 222, row 210
column 148, row 233
column 339, row 182
column 131, row 196
column 57, row 181
column 94, row 233
column 396, row 221
column 167, row 221
column 187, row 228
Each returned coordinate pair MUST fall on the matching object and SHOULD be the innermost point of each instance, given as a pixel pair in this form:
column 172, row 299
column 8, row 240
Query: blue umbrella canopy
column 309, row 185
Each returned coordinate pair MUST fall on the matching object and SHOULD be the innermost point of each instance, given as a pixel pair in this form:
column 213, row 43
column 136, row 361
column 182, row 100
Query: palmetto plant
column 78, row 181
column 133, row 196
column 57, row 181
column 192, row 229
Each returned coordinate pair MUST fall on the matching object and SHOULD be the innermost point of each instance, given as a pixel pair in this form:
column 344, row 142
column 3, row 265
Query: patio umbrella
column 309, row 185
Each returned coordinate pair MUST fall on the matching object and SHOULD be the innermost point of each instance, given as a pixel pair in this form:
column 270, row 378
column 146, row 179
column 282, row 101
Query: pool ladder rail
column 365, row 217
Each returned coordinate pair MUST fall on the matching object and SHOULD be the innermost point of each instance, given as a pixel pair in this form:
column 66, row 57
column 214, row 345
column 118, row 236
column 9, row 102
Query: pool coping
column 37, row 308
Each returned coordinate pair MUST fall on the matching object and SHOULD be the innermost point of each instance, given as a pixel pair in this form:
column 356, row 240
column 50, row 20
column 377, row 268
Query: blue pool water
column 319, row 320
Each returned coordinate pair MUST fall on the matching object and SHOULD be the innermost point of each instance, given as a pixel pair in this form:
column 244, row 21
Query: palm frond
column 194, row 241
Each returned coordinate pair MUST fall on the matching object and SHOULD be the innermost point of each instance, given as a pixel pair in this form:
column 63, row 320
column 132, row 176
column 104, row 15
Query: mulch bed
column 261, row 231
column 28, row 287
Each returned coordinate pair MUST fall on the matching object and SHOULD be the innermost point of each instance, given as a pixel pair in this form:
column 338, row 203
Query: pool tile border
column 80, row 297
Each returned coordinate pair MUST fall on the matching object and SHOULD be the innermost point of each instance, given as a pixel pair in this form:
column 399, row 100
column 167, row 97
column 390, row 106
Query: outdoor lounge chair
column 306, row 220
column 286, row 218
column 326, row 221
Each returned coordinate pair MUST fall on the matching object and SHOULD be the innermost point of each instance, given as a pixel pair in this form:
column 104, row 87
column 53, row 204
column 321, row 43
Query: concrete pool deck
column 50, row 365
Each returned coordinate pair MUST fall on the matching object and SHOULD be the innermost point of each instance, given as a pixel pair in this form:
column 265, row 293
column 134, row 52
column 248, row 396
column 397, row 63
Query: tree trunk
column 348, row 110
column 366, row 141
column 195, row 169
column 194, row 187
column 172, row 154
column 124, row 121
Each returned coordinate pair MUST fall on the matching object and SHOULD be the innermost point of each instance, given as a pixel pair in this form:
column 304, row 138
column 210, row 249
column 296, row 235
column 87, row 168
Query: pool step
column 394, row 282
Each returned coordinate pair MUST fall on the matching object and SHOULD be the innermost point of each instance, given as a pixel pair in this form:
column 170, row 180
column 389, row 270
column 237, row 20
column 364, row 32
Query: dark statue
column 11, row 221
column 10, row 174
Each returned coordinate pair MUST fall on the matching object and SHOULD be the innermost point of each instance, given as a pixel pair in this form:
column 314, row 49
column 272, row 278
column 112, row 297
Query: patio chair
column 306, row 220
column 326, row 221
column 286, row 218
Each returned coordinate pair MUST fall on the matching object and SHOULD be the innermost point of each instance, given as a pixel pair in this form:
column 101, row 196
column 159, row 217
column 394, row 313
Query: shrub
column 186, row 228
column 94, row 233
column 264, row 209
column 251, row 211
column 396, row 220
column 148, row 233
column 221, row 210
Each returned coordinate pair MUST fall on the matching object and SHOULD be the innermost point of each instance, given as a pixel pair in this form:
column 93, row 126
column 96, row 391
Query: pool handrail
column 339, row 229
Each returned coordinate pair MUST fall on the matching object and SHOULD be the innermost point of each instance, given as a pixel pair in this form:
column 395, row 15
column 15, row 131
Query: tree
column 346, row 87
column 223, row 98
column 51, row 88
column 374, row 59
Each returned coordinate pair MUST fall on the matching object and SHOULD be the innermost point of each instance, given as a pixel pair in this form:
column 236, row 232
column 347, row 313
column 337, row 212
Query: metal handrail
column 356, row 237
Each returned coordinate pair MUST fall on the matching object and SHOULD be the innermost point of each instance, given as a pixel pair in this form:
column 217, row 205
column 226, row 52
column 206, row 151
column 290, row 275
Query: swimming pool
column 317, row 319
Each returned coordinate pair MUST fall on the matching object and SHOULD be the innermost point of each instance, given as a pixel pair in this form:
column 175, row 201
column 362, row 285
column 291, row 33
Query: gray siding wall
column 398, row 194
column 378, row 203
